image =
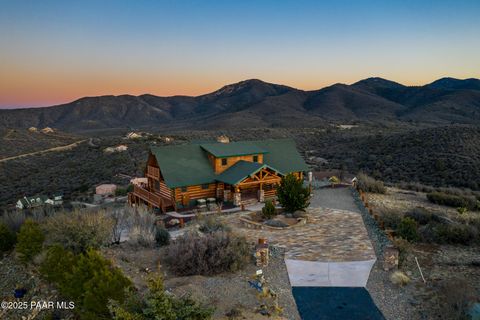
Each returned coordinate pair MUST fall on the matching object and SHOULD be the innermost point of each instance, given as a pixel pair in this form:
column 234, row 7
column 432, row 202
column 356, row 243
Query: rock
column 299, row 214
column 289, row 215
column 275, row 223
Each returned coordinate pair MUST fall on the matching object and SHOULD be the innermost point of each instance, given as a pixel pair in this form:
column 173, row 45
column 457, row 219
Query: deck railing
column 147, row 195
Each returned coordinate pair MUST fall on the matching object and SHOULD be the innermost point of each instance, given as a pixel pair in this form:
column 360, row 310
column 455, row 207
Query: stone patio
column 330, row 235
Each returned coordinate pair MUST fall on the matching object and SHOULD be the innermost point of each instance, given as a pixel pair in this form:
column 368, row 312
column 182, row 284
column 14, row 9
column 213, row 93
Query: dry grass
column 399, row 278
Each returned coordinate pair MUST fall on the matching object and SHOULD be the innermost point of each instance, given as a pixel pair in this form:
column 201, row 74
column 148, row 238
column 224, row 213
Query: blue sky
column 56, row 51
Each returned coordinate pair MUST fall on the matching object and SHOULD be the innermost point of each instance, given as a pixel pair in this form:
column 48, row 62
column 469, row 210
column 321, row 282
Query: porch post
column 237, row 197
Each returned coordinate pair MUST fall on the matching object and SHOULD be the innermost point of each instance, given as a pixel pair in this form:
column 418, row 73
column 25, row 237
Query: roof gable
column 239, row 171
column 183, row 165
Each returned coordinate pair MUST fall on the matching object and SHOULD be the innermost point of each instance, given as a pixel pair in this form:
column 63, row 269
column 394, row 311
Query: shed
column 106, row 189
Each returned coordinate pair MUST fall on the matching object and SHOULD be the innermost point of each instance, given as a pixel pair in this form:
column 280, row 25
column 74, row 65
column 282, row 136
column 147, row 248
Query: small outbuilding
column 106, row 189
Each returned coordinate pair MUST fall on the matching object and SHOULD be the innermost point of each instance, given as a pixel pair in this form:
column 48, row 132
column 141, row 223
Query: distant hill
column 260, row 104
column 439, row 156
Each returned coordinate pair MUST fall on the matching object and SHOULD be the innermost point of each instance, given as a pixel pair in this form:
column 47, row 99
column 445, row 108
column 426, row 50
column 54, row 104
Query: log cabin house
column 240, row 172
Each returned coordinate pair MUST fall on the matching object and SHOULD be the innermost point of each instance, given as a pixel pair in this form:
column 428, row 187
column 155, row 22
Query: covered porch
column 250, row 182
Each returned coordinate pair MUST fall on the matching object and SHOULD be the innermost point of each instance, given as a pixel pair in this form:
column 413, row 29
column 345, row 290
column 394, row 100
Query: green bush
column 92, row 283
column 268, row 211
column 292, row 195
column 451, row 200
column 407, row 229
column 421, row 215
column 57, row 264
column 157, row 304
column 210, row 224
column 369, row 184
column 207, row 254
column 79, row 230
column 7, row 238
column 457, row 234
column 120, row 192
column 162, row 236
column 30, row 240
column 391, row 219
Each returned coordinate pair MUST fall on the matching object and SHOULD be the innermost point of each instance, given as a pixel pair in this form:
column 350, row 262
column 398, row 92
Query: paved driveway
column 336, row 198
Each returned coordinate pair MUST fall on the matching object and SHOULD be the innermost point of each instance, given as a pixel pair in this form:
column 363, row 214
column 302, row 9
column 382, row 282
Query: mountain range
column 254, row 103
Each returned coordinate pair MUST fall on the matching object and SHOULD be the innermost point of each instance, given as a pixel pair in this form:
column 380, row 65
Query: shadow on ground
column 335, row 303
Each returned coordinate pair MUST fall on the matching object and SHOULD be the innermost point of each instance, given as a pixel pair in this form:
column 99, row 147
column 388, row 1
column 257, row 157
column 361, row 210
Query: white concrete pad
column 328, row 274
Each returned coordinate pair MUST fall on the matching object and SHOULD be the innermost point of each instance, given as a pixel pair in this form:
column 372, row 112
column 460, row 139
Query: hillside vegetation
column 254, row 103
column 440, row 156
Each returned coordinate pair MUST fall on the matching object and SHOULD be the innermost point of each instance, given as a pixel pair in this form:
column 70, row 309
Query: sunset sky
column 57, row 51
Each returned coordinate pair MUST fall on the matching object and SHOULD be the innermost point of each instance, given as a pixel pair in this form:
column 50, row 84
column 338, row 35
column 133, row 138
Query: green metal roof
column 239, row 171
column 184, row 165
column 232, row 149
column 282, row 155
column 188, row 164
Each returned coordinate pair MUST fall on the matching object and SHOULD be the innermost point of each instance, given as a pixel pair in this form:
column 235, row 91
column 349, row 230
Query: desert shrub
column 407, row 229
column 158, row 304
column 120, row 221
column 143, row 229
column 120, row 192
column 13, row 220
column 7, row 238
column 391, row 219
column 234, row 313
column 456, row 234
column 292, row 195
column 276, row 223
column 399, row 278
column 421, row 215
column 404, row 248
column 369, row 184
column 455, row 297
column 451, row 200
column 162, row 236
column 30, row 240
column 91, row 283
column 207, row 254
column 57, row 264
column 210, row 223
column 79, row 230
column 268, row 210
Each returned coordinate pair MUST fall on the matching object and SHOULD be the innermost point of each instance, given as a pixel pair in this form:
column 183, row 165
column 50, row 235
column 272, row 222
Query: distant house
column 243, row 172
column 47, row 130
column 119, row 148
column 38, row 201
column 133, row 135
column 55, row 200
column 31, row 202
column 106, row 189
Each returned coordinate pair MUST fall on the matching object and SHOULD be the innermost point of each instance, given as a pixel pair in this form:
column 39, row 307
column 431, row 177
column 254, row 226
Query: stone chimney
column 223, row 139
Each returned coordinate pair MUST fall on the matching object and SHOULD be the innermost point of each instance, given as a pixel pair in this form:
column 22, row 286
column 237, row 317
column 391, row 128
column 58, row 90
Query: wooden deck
column 152, row 199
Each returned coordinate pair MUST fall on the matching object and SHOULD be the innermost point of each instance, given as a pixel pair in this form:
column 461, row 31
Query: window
column 184, row 189
column 205, row 186
column 255, row 158
column 224, row 161
column 157, row 185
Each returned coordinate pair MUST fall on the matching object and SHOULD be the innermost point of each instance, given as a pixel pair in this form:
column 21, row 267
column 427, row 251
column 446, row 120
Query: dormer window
column 255, row 158
column 224, row 161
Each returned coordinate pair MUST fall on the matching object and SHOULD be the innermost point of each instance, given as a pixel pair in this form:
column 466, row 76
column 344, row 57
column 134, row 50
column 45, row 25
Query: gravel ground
column 13, row 274
column 225, row 292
